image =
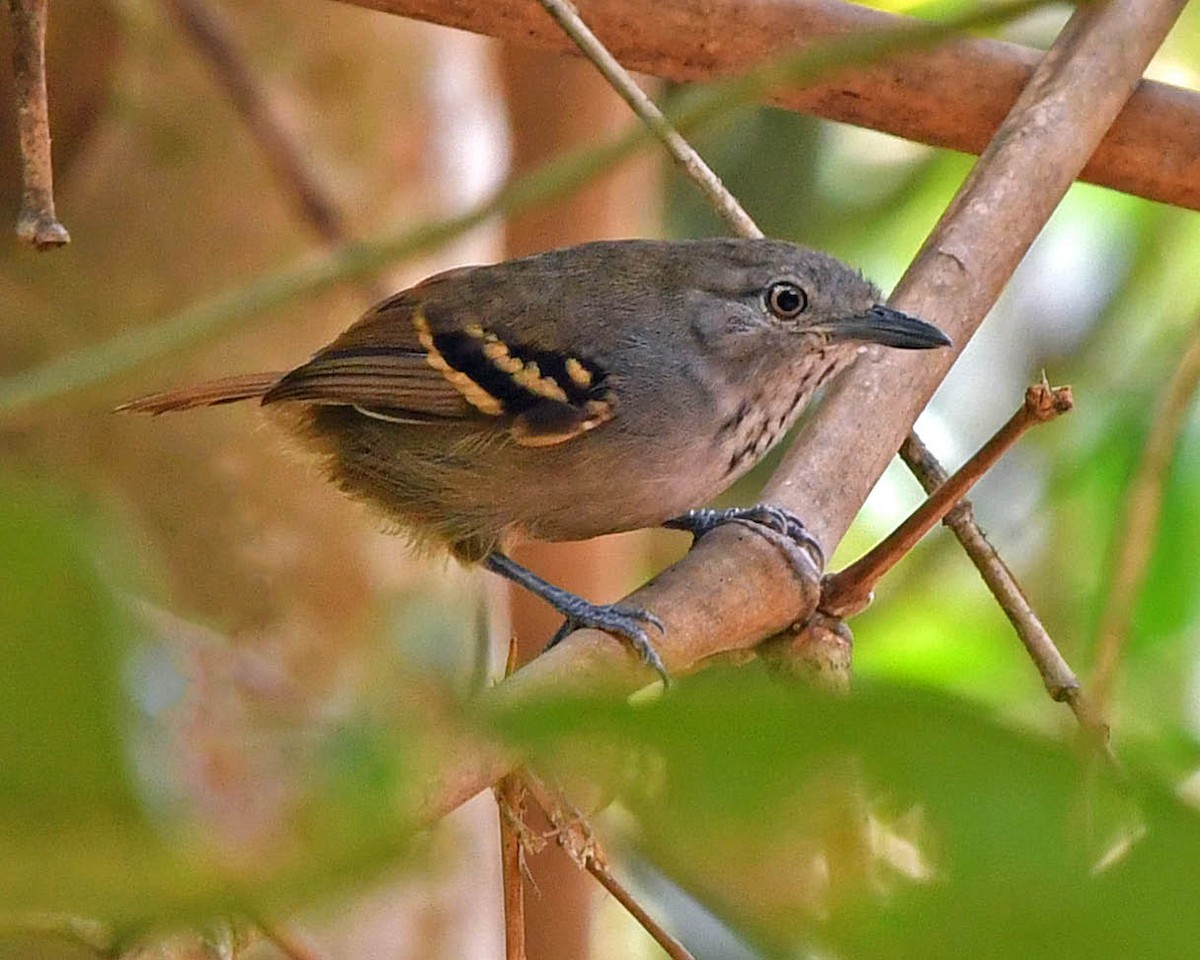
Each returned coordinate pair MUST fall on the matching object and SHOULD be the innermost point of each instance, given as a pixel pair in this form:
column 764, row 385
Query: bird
column 598, row 388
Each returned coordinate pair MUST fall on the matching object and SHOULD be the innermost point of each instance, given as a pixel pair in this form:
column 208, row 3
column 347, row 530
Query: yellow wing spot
column 530, row 377
column 494, row 349
column 475, row 330
column 472, row 392
column 579, row 374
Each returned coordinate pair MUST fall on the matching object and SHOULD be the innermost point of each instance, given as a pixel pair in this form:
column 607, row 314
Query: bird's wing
column 415, row 359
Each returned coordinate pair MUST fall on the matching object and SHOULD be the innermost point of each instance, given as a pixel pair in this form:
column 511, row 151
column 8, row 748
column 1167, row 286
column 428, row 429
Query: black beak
column 889, row 327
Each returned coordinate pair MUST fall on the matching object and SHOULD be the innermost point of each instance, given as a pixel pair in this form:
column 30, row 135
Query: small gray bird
column 583, row 391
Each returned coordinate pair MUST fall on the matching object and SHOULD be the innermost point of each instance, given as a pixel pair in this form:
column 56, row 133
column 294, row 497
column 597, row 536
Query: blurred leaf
column 758, row 795
column 61, row 752
column 77, row 833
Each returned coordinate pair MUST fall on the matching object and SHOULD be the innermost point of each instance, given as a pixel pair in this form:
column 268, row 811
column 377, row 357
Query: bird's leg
column 625, row 623
column 782, row 527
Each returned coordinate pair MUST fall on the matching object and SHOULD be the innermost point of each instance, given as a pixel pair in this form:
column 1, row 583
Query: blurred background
column 220, row 679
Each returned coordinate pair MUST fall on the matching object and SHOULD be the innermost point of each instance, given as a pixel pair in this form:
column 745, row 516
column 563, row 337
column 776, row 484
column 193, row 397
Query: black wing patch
column 551, row 397
column 446, row 376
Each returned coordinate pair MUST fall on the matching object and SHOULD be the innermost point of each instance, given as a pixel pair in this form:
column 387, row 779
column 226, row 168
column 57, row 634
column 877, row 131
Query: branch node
column 819, row 651
column 1043, row 402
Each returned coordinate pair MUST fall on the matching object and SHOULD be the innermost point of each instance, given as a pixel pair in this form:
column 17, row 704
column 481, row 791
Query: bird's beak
column 889, row 327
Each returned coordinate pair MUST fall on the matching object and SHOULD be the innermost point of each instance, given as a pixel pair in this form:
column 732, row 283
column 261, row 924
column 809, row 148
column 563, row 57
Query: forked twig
column 1057, row 675
column 575, row 836
column 849, row 590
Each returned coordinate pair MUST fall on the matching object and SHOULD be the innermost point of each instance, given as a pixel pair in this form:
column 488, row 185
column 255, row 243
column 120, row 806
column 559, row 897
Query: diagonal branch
column 1077, row 91
column 825, row 644
column 954, row 96
column 682, row 152
column 1057, row 676
column 206, row 28
column 733, row 589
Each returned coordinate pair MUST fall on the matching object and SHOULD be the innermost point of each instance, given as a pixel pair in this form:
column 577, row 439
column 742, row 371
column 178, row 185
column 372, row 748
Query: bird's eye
column 786, row 300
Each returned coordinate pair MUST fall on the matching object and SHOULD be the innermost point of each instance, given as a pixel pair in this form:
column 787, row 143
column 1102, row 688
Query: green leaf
column 755, row 794
column 82, row 833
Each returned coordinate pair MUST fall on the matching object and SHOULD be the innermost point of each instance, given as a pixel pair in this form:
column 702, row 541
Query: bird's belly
column 583, row 498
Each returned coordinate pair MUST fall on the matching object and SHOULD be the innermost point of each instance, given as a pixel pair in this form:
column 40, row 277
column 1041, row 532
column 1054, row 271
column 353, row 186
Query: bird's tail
column 228, row 390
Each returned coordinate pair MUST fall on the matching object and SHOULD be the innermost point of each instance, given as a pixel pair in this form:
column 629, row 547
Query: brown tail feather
column 229, row 390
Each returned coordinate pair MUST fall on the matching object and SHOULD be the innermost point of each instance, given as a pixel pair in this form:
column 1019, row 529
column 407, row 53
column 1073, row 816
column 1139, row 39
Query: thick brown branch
column 36, row 221
column 954, row 96
column 734, row 588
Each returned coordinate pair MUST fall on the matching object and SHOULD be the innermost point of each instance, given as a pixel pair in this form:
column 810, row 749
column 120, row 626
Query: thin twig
column 575, row 836
column 510, row 804
column 682, row 152
column 211, row 35
column 37, row 223
column 285, row 941
column 1058, row 677
column 849, row 590
column 1136, row 536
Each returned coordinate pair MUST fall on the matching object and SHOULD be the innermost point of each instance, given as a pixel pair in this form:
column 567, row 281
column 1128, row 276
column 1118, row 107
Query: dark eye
column 786, row 300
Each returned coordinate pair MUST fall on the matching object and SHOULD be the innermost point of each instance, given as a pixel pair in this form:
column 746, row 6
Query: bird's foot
column 782, row 527
column 625, row 623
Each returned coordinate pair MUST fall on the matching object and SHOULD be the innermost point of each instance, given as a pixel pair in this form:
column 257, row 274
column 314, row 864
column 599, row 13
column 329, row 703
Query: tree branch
column 1057, row 676
column 36, row 221
column 954, row 96
column 207, row 29
column 822, row 646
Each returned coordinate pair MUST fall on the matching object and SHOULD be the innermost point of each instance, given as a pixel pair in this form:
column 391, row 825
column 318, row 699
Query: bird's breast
column 767, row 408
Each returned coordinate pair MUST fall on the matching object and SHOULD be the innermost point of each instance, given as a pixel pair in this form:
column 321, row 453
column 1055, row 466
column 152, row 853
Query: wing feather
column 424, row 356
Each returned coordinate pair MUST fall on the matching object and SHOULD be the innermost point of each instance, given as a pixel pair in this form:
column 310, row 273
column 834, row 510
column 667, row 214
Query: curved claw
column 624, row 623
column 769, row 518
